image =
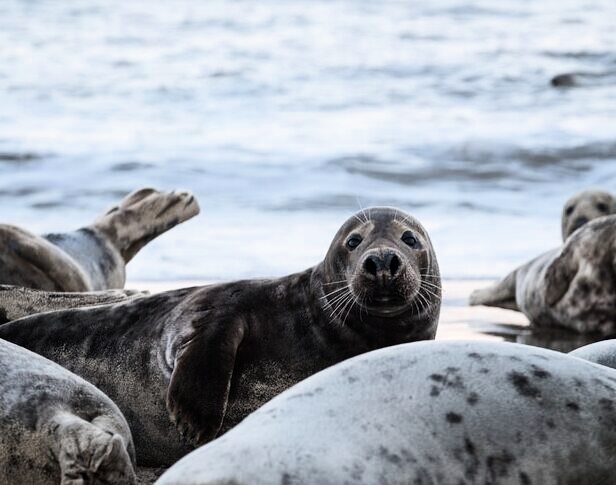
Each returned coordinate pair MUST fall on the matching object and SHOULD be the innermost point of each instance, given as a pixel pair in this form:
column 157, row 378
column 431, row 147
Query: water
column 284, row 116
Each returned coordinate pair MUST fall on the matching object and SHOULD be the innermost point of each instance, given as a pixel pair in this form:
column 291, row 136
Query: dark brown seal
column 204, row 358
column 94, row 257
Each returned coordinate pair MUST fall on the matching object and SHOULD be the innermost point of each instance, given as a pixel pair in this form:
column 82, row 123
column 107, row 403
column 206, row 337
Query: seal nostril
column 394, row 265
column 370, row 266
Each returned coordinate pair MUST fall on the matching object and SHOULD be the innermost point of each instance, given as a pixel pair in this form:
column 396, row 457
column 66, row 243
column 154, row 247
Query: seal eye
column 353, row 242
column 569, row 210
column 409, row 239
column 602, row 207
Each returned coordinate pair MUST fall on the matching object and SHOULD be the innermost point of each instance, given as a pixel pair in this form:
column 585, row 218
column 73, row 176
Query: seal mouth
column 386, row 305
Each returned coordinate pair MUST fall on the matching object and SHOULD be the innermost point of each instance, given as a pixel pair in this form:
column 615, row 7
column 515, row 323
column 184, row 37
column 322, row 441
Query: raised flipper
column 88, row 454
column 17, row 302
column 29, row 260
column 144, row 215
column 501, row 294
column 199, row 388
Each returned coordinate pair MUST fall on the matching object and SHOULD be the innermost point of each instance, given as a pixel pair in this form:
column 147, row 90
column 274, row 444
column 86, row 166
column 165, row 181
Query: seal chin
column 387, row 311
column 386, row 305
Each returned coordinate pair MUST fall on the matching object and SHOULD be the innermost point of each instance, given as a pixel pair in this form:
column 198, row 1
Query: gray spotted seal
column 584, row 207
column 603, row 353
column 573, row 287
column 94, row 257
column 426, row 413
column 199, row 360
column 57, row 428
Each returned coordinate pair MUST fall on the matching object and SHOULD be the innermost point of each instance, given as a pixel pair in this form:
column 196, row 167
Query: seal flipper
column 18, row 302
column 88, row 454
column 201, row 380
column 559, row 275
column 144, row 215
column 501, row 294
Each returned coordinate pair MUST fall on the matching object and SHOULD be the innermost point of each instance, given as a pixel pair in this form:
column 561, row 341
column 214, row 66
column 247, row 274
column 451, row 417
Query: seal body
column 603, row 353
column 57, row 428
column 94, row 257
column 574, row 287
column 199, row 360
column 429, row 413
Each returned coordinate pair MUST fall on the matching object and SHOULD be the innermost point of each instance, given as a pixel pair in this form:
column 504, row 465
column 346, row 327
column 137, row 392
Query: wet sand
column 458, row 322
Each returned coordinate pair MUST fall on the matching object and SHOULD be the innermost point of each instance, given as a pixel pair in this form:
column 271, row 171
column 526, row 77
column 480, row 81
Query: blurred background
column 284, row 117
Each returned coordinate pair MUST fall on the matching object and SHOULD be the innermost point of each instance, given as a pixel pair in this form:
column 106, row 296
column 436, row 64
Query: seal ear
column 558, row 277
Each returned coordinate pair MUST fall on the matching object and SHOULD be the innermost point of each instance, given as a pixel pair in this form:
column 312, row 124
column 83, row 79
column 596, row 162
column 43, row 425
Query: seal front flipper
column 559, row 275
column 199, row 389
column 501, row 294
column 144, row 215
column 89, row 454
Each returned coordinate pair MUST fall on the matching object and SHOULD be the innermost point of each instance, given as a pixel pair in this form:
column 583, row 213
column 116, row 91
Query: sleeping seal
column 426, row 413
column 199, row 360
column 584, row 207
column 94, row 257
column 574, row 287
column 57, row 428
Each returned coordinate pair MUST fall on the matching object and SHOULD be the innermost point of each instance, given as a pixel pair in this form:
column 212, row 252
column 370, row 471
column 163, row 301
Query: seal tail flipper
column 17, row 302
column 144, row 215
column 31, row 261
column 87, row 454
column 501, row 294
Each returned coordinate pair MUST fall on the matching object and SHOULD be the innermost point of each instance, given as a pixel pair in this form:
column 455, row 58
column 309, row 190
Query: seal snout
column 382, row 267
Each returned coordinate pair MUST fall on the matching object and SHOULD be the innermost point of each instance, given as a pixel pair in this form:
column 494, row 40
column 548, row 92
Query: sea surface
column 285, row 117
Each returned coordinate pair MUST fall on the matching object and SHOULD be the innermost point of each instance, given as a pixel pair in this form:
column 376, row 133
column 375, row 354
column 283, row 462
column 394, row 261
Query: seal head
column 381, row 270
column 584, row 207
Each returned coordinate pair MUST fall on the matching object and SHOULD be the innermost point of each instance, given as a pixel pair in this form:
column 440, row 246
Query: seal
column 199, row 360
column 603, row 353
column 57, row 428
column 584, row 207
column 574, row 287
column 94, row 257
column 17, row 302
column 426, row 412
column 583, row 79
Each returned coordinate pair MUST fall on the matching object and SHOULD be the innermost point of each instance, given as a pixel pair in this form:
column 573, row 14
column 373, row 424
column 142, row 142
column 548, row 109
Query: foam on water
column 281, row 116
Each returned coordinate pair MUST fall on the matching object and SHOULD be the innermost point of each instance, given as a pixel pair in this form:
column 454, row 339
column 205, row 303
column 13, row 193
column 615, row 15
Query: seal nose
column 579, row 222
column 383, row 267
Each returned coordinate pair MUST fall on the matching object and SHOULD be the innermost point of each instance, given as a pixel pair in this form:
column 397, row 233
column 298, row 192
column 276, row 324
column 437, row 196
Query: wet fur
column 442, row 413
column 57, row 428
column 199, row 360
column 574, row 287
column 95, row 257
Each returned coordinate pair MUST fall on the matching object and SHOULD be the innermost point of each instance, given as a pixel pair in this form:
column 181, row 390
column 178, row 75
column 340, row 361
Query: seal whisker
column 339, row 301
column 340, row 309
column 438, row 297
column 434, row 288
column 334, row 291
column 333, row 283
column 349, row 310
